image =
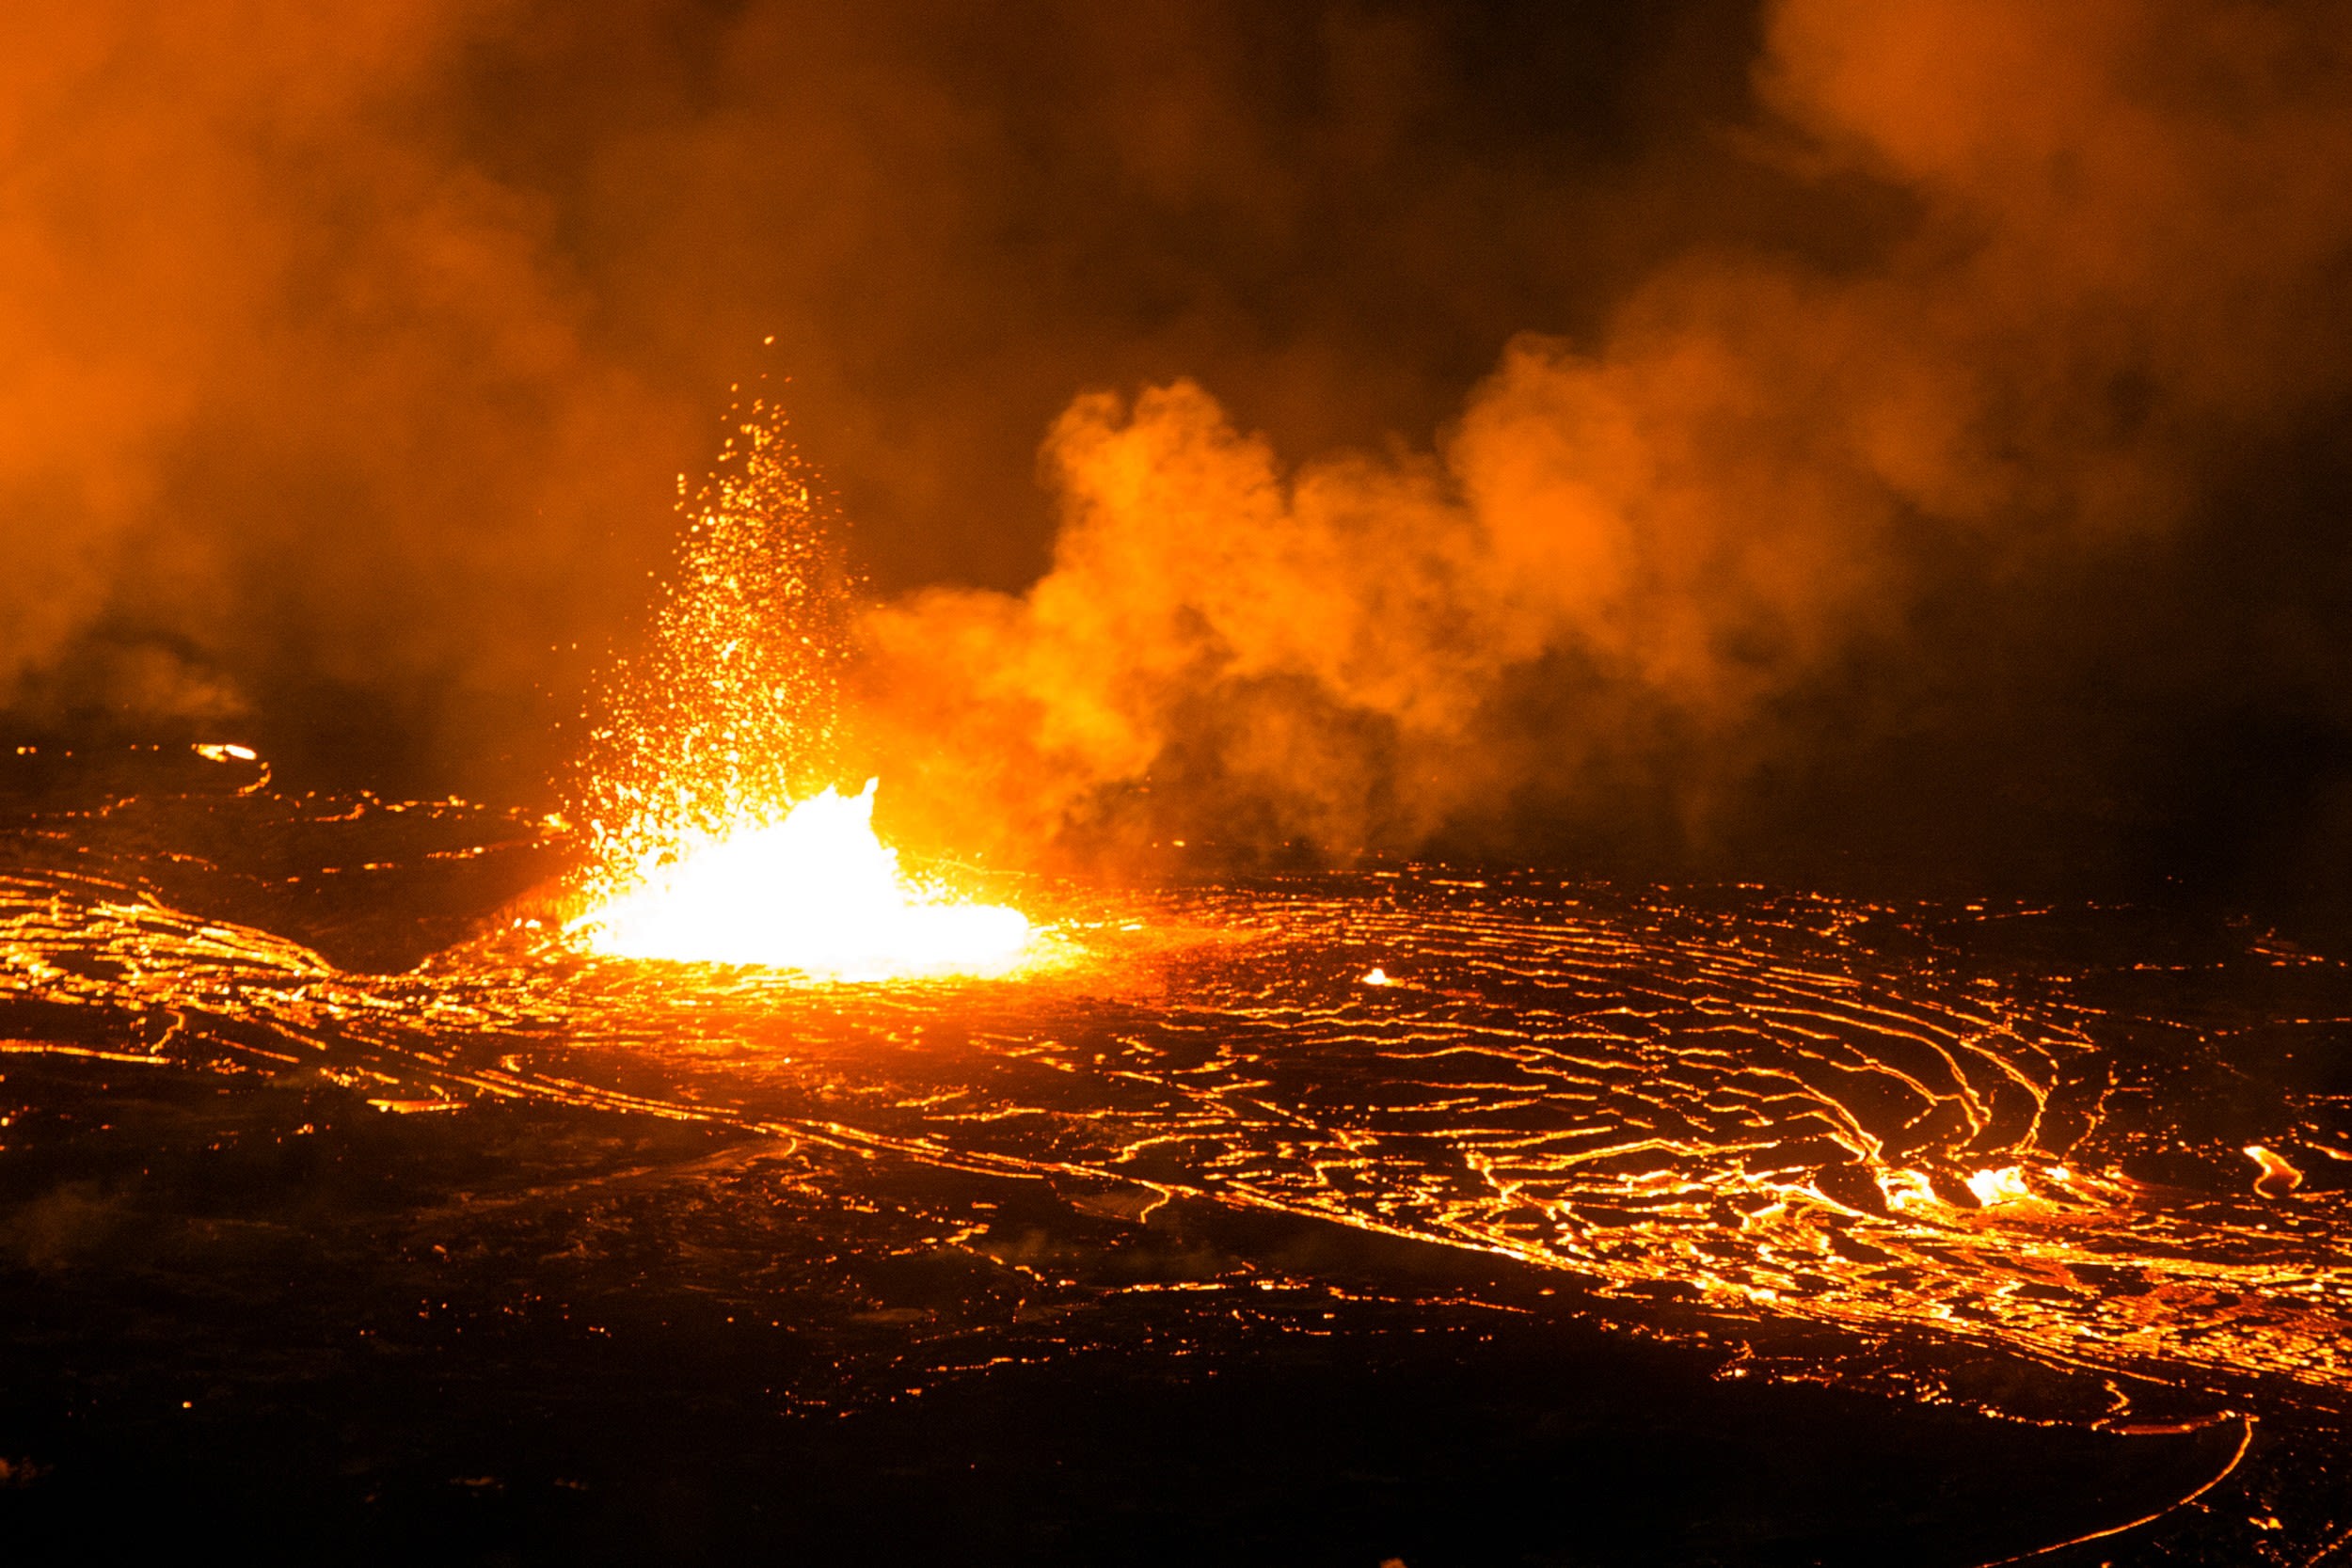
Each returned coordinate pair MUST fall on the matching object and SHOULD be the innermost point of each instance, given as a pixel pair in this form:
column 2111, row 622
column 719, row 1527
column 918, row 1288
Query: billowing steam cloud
column 1927, row 427
column 1773, row 504
column 348, row 359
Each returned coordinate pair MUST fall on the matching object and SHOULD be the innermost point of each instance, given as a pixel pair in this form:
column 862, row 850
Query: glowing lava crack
column 816, row 891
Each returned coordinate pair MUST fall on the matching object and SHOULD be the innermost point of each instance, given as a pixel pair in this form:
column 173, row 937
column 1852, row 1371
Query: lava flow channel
column 1739, row 1115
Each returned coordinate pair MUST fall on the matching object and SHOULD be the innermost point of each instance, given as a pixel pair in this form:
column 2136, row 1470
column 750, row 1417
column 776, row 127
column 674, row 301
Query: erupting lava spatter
column 713, row 839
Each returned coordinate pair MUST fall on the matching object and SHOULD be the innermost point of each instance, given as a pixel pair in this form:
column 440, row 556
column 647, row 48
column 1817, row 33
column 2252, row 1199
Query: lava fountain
column 816, row 891
column 715, row 840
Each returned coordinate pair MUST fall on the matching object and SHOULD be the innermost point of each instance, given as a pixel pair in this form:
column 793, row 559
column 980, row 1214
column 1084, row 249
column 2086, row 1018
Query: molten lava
column 710, row 839
column 815, row 892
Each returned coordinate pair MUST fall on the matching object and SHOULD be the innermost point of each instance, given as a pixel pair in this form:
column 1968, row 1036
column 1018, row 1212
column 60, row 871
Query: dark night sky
column 1694, row 434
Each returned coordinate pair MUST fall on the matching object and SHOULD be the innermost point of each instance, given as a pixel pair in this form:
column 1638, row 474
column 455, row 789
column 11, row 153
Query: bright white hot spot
column 816, row 892
column 2006, row 1186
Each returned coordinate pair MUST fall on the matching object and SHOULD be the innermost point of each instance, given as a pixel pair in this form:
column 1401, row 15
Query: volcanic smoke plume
column 292, row 401
column 1923, row 432
column 1776, row 511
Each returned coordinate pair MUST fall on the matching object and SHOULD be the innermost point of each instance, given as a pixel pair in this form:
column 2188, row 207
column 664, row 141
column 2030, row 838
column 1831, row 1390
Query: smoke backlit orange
column 1702, row 520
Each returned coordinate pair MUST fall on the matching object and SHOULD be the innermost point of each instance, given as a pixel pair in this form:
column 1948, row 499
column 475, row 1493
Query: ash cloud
column 1695, row 433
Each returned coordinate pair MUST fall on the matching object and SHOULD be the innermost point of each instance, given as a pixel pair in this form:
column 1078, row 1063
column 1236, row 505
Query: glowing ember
column 816, row 892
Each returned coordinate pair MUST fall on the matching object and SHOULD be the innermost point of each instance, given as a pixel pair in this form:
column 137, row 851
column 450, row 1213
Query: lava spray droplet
column 717, row 837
